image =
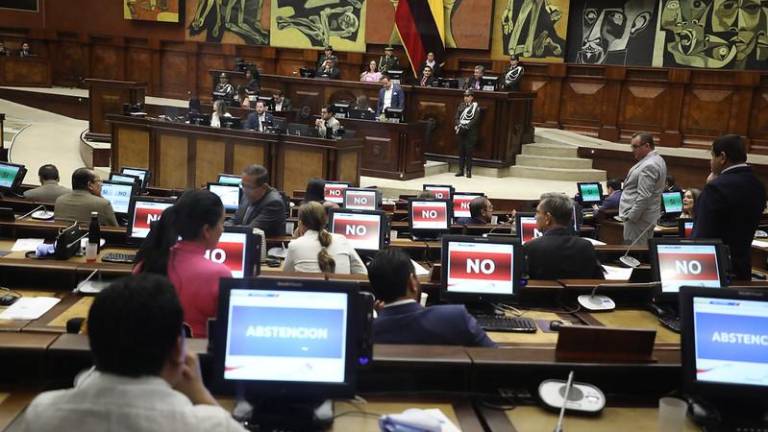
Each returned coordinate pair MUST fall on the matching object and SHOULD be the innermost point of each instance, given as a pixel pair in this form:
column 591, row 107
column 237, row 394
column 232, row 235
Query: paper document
column 29, row 308
column 617, row 273
column 26, row 244
column 760, row 243
column 420, row 270
column 594, row 242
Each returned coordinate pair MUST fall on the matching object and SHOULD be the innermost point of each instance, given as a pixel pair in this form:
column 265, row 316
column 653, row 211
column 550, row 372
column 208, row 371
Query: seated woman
column 689, row 201
column 371, row 74
column 198, row 218
column 242, row 97
column 315, row 192
column 219, row 111
column 316, row 250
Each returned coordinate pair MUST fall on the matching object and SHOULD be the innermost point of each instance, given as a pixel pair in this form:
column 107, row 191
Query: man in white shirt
column 260, row 119
column 390, row 95
column 144, row 379
column 327, row 125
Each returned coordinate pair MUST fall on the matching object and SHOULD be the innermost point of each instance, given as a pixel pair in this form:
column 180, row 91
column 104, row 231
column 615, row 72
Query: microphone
column 32, row 211
column 632, row 261
column 568, row 385
column 594, row 302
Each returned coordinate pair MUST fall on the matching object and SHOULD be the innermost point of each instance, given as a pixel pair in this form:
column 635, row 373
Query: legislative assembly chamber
column 383, row 215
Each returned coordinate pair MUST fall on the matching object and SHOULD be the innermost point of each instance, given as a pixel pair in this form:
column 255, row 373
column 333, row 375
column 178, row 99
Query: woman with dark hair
column 198, row 218
column 315, row 250
column 315, row 192
column 689, row 202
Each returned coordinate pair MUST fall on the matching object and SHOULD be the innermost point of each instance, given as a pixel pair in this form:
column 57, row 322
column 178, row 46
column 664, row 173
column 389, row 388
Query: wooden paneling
column 171, row 162
column 246, row 154
column 297, row 165
column 138, row 64
column 31, row 71
column 349, row 167
column 106, row 62
column 134, row 148
column 209, row 160
column 174, row 68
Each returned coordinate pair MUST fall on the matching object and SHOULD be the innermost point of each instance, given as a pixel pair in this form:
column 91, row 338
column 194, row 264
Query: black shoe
column 469, row 174
column 459, row 174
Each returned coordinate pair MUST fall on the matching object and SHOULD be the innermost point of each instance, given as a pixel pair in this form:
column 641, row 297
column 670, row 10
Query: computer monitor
column 361, row 114
column 229, row 179
column 685, row 228
column 231, row 122
column 525, row 224
column 198, row 118
column 299, row 129
column 126, row 178
column 119, row 195
column 334, row 191
column 229, row 194
column 440, row 191
column 306, row 72
column 448, row 82
column 362, row 198
column 394, row 114
column 488, row 83
column 11, row 176
column 293, row 339
column 724, row 348
column 145, row 210
column 429, row 218
column 340, row 109
column 672, row 203
column 678, row 262
column 239, row 249
column 461, row 202
column 395, row 76
column 365, row 230
column 590, row 192
column 480, row 268
column 143, row 174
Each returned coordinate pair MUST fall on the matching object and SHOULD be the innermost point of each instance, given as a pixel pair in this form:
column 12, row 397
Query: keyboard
column 507, row 324
column 671, row 322
column 667, row 223
column 120, row 258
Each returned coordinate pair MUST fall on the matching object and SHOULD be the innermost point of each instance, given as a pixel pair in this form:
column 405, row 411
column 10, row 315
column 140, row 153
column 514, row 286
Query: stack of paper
column 29, row 308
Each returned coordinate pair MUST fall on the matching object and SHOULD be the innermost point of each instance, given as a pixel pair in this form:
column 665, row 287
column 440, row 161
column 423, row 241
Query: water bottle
column 94, row 237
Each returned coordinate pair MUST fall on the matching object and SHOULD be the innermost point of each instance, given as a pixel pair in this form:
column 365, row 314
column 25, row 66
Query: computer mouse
column 555, row 325
column 8, row 299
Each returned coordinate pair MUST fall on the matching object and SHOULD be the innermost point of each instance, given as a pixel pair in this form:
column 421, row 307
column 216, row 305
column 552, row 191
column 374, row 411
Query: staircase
column 552, row 161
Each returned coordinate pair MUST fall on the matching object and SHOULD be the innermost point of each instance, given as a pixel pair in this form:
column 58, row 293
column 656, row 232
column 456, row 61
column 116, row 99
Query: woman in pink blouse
column 198, row 218
column 372, row 74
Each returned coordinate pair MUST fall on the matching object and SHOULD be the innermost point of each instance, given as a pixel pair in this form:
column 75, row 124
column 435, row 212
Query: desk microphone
column 594, row 302
column 568, row 385
column 632, row 261
column 40, row 207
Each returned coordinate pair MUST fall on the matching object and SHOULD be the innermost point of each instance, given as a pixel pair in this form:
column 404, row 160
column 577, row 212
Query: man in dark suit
column 260, row 119
column 730, row 206
column 467, row 125
column 427, row 78
column 559, row 254
column 480, row 210
column 390, row 95
column 263, row 206
column 329, row 69
column 282, row 103
column 402, row 320
column 432, row 63
column 474, row 82
column 327, row 54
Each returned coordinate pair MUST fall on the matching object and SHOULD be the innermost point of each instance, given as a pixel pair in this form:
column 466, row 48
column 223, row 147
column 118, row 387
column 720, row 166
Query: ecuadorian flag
column 420, row 24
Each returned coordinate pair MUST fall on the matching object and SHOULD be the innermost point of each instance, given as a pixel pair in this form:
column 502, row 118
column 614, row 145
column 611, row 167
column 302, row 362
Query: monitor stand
column 481, row 309
column 722, row 415
column 288, row 414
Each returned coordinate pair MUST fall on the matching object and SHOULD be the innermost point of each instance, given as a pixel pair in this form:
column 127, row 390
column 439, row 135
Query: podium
column 107, row 97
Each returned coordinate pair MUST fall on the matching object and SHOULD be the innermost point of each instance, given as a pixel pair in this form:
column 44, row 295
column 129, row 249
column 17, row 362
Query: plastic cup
column 672, row 414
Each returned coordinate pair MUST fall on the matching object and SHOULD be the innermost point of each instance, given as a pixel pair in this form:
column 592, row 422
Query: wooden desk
column 13, row 403
column 32, row 71
column 107, row 97
column 536, row 419
column 505, row 124
column 187, row 156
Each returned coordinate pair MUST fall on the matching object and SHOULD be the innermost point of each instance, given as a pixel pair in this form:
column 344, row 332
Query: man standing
column 474, row 82
column 327, row 125
column 49, row 189
column 730, row 206
column 84, row 199
column 559, row 254
column 640, row 205
column 467, row 126
column 513, row 74
column 388, row 61
column 390, row 95
column 260, row 119
column 263, row 206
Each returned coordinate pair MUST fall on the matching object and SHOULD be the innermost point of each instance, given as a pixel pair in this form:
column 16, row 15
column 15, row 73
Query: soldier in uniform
column 467, row 125
column 388, row 61
column 512, row 75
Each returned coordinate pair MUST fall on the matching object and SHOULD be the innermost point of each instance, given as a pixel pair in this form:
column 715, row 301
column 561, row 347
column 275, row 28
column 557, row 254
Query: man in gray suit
column 84, row 199
column 640, row 205
column 49, row 188
column 263, row 206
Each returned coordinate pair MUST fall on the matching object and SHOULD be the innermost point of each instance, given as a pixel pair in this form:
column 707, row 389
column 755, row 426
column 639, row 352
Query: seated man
column 559, row 254
column 614, row 195
column 327, row 125
column 474, row 82
column 259, row 120
column 427, row 78
column 282, row 103
column 329, row 69
column 84, row 199
column 402, row 320
column 480, row 210
column 390, row 95
column 263, row 206
column 143, row 377
column 49, row 188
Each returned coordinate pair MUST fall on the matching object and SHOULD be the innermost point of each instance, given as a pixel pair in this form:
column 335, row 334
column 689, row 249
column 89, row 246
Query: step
column 553, row 162
column 435, row 167
column 484, row 171
column 553, row 150
column 561, row 174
